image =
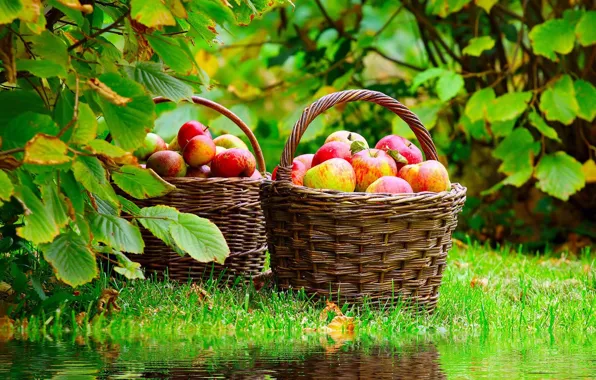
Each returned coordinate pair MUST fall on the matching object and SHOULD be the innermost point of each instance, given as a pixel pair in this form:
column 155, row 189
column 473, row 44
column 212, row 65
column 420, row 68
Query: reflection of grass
column 483, row 291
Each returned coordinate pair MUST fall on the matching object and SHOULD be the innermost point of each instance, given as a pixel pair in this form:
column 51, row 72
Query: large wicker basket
column 357, row 246
column 231, row 203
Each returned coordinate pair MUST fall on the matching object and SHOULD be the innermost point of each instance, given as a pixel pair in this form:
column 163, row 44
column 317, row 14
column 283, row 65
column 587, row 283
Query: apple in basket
column 298, row 173
column 333, row 149
column 229, row 141
column 370, row 165
column 167, row 163
column 429, row 175
column 200, row 150
column 233, row 162
column 189, row 130
column 202, row 171
column 346, row 137
column 306, row 159
column 333, row 174
column 390, row 184
column 404, row 147
column 152, row 143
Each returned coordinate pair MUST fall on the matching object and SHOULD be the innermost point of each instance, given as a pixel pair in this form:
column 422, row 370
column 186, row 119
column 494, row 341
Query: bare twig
column 75, row 115
column 389, row 20
column 99, row 32
column 397, row 61
column 12, row 151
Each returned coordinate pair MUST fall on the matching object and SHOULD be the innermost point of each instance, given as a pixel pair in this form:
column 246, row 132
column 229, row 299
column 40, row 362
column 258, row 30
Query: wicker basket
column 357, row 246
column 231, row 203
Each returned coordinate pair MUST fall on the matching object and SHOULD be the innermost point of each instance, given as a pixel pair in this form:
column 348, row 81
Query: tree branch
column 397, row 61
column 100, row 31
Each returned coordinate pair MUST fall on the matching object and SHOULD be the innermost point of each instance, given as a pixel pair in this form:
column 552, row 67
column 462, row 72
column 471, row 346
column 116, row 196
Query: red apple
column 346, row 137
column 233, row 162
column 306, row 159
column 370, row 165
column 152, row 143
column 333, row 174
column 200, row 150
column 189, row 130
column 334, row 149
column 167, row 163
column 390, row 184
column 201, row 172
column 298, row 172
column 403, row 146
column 429, row 175
column 229, row 141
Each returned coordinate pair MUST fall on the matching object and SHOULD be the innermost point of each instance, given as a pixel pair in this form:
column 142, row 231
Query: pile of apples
column 346, row 163
column 194, row 153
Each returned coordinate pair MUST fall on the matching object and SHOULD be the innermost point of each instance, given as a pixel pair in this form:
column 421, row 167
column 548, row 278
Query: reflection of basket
column 231, row 203
column 359, row 245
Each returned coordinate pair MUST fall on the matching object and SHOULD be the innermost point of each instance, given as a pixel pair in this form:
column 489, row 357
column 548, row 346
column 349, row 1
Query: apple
column 346, row 137
column 219, row 149
column 403, row 146
column 229, row 141
column 189, row 130
column 173, row 145
column 199, row 151
column 306, row 159
column 256, row 175
column 152, row 143
column 333, row 174
column 167, row 163
column 429, row 175
column 370, row 165
column 202, row 171
column 390, row 184
column 298, row 172
column 233, row 162
column 334, row 149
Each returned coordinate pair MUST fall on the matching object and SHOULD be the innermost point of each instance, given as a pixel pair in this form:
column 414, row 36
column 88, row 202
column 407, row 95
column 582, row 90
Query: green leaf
column 103, row 147
column 478, row 45
column 480, row 101
column 40, row 226
column 15, row 103
column 157, row 82
column 202, row 25
column 157, row 220
column 9, row 10
column 200, row 238
column 426, row 111
column 542, row 127
column 476, row 130
column 509, row 106
column 24, row 127
column 448, row 85
column 585, row 94
column 6, row 186
column 128, row 206
column 71, row 258
column 425, row 76
column 168, row 123
column 116, row 233
column 585, row 30
column 517, row 152
column 41, row 68
column 151, row 13
column 173, row 52
column 50, row 47
column 215, row 9
column 85, row 129
column 502, row 128
column 90, row 173
column 445, row 7
column 141, row 183
column 57, row 205
column 552, row 36
column 73, row 190
column 558, row 103
column 129, row 269
column 559, row 175
column 128, row 123
column 43, row 149
column 486, row 4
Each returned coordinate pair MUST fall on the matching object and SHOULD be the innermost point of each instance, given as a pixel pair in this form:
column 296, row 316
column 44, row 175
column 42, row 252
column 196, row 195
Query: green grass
column 523, row 293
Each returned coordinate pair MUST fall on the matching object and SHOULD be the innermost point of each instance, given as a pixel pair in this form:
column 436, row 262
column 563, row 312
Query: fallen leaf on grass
column 201, row 294
column 459, row 243
column 587, row 268
column 341, row 323
column 461, row 264
column 6, row 329
column 330, row 307
column 479, row 282
column 80, row 318
column 262, row 279
column 107, row 301
column 341, row 327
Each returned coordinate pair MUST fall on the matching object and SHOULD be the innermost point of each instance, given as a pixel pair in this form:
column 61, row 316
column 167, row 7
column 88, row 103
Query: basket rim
column 215, row 180
column 456, row 190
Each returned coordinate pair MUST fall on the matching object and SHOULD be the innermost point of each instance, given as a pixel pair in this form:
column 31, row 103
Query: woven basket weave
column 231, row 203
column 357, row 246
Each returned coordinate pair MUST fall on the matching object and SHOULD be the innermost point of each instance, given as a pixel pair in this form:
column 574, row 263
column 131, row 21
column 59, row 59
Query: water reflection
column 310, row 357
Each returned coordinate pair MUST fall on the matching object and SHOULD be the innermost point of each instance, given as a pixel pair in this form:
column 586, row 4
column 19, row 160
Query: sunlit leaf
column 589, row 170
column 425, row 76
column 585, row 30
column 72, row 259
column 157, row 82
column 91, row 174
column 449, row 85
column 44, row 149
column 128, row 268
column 486, row 4
column 117, row 233
column 585, row 93
column 478, row 45
column 200, row 238
column 509, row 106
column 152, row 13
column 478, row 104
column 559, row 175
column 50, row 47
column 517, row 152
column 173, row 51
column 558, row 102
column 39, row 222
column 542, row 127
column 85, row 128
column 6, row 186
column 157, row 220
column 552, row 36
column 141, row 183
column 41, row 68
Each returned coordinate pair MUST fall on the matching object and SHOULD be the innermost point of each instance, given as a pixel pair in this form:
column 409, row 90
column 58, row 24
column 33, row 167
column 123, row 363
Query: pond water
column 308, row 357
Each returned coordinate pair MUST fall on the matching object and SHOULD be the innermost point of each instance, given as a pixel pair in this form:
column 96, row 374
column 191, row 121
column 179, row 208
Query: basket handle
column 233, row 117
column 328, row 101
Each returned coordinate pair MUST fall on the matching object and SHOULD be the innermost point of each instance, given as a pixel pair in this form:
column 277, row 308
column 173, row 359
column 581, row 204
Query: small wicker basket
column 231, row 203
column 357, row 246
